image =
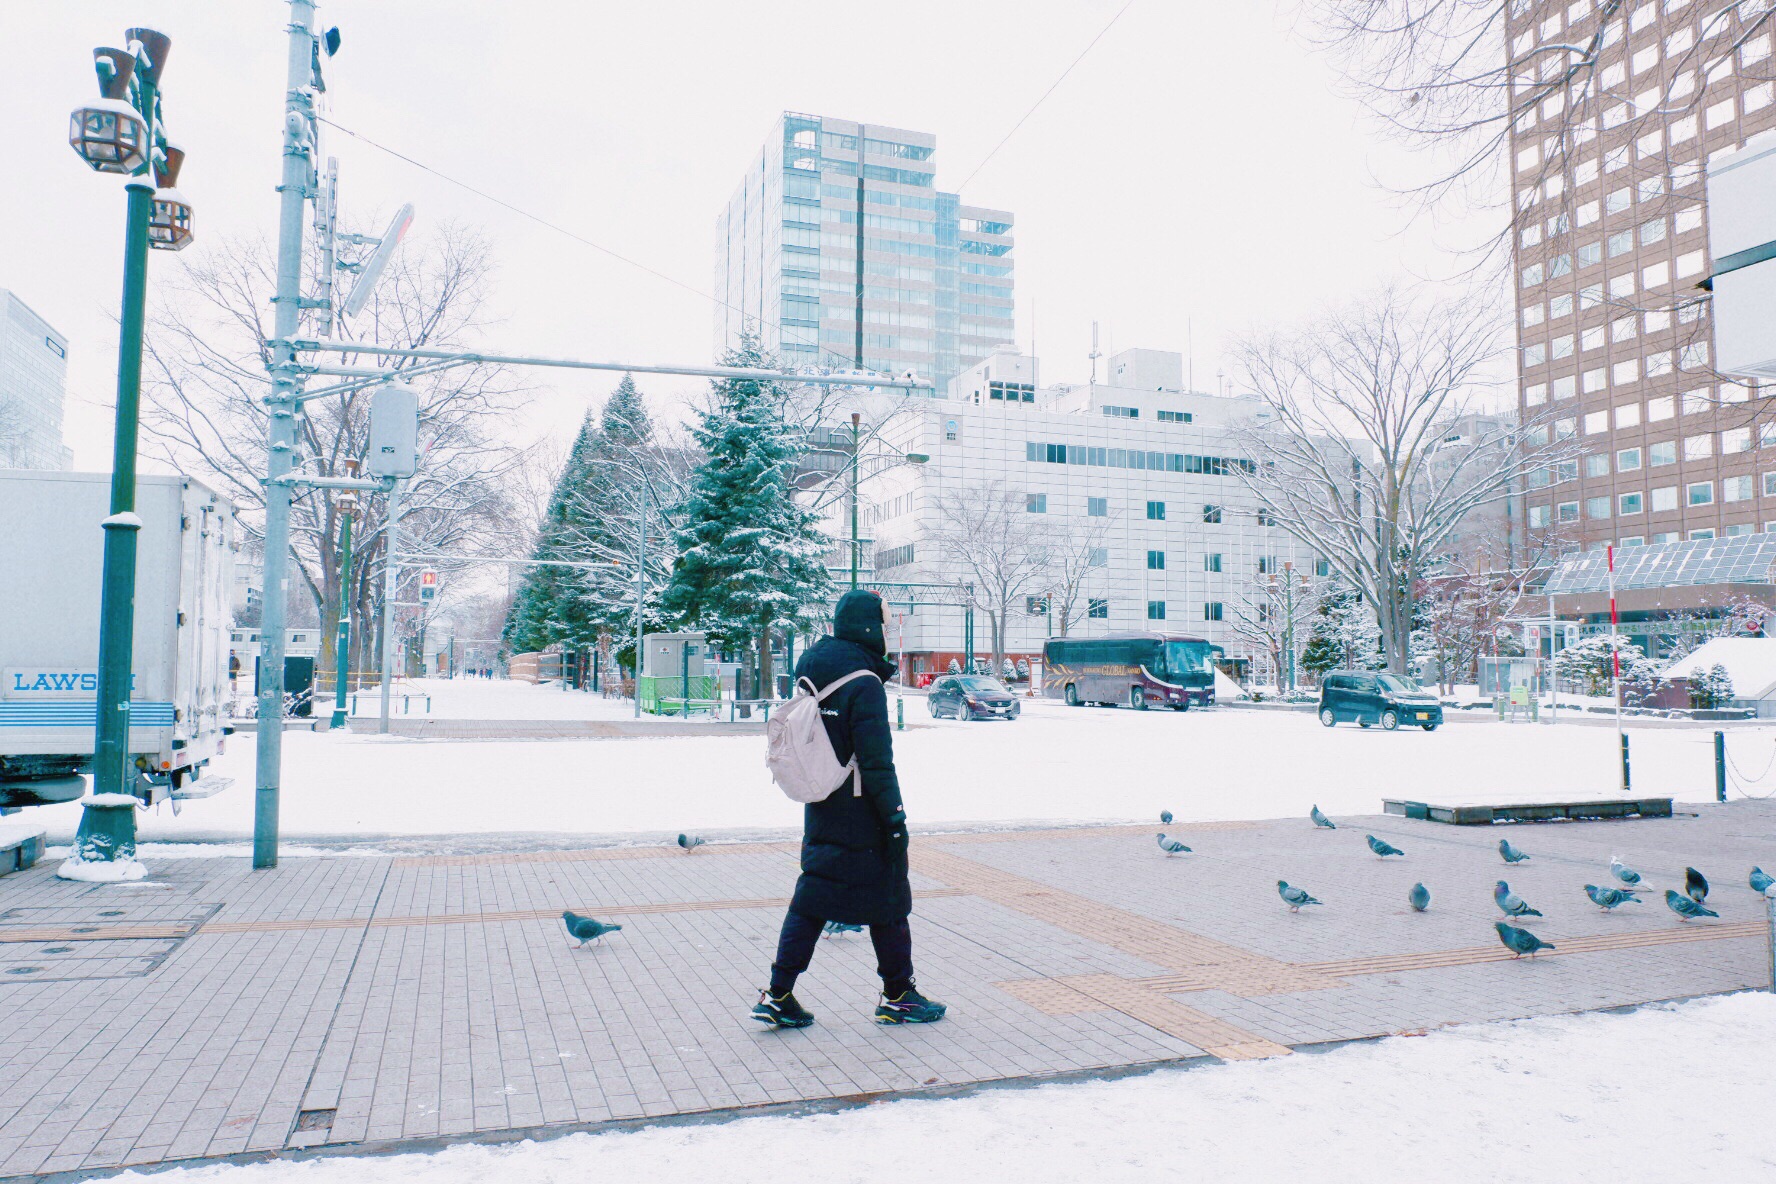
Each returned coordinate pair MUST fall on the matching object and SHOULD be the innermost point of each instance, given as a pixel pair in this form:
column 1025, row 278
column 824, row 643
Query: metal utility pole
column 281, row 406
column 855, row 419
column 348, row 506
column 641, row 554
column 391, row 571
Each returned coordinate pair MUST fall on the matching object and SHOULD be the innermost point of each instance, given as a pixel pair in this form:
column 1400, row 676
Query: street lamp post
column 122, row 133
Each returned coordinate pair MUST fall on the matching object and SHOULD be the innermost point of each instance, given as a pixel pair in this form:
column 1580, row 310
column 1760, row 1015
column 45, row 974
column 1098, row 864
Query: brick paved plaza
column 355, row 1002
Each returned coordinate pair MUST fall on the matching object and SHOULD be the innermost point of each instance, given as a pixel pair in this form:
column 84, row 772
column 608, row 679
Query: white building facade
column 33, row 386
column 1144, row 470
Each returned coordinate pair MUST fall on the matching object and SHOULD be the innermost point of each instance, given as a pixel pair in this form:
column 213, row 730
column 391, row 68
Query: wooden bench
column 1531, row 811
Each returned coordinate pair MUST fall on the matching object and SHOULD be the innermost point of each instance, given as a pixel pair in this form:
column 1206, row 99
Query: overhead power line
column 1044, row 96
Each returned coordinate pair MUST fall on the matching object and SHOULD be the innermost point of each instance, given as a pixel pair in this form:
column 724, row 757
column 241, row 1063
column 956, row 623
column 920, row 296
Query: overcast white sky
column 1197, row 167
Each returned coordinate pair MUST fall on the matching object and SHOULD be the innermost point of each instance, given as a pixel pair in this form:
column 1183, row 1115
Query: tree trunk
column 767, row 681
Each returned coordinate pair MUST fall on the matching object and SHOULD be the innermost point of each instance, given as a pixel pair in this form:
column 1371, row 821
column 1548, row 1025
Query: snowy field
column 1055, row 765
column 1661, row 1094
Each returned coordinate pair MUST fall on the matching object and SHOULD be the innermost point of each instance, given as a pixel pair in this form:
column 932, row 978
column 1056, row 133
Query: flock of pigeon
column 1629, row 883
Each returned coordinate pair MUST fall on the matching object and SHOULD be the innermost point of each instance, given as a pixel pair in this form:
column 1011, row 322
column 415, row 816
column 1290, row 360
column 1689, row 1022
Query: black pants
column 795, row 949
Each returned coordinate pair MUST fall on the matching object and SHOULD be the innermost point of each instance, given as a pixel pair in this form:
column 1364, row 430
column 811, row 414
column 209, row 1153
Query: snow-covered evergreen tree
column 543, row 611
column 1590, row 661
column 750, row 557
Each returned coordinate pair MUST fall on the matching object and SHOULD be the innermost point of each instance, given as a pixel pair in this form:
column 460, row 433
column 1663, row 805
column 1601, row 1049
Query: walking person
column 854, row 844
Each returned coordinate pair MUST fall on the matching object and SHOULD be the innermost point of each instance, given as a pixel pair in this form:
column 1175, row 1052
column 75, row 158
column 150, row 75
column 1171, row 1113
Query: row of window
column 1591, row 296
column 1663, row 499
column 1099, row 507
column 1118, row 458
column 1692, row 356
column 1677, row 43
column 1679, row 175
column 1654, row 275
column 1212, row 610
column 1700, row 401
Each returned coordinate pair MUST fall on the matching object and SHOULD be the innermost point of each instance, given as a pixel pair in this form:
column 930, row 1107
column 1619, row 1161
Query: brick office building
column 1615, row 341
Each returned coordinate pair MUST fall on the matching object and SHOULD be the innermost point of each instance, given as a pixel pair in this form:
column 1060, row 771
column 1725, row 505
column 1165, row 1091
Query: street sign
column 428, row 585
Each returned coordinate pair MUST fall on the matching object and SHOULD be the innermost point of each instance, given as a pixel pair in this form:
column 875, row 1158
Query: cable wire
column 1044, row 96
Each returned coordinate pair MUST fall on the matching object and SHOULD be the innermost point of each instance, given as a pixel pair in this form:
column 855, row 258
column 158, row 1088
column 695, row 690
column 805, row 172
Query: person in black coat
column 854, row 843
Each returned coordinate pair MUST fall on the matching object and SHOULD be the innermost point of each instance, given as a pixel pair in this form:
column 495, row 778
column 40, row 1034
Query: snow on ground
column 1056, row 764
column 1662, row 1094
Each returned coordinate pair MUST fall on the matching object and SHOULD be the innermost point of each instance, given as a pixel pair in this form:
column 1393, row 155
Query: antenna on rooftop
column 1094, row 355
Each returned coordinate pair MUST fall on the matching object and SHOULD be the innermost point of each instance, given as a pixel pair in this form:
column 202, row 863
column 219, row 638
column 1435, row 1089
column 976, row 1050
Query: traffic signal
column 428, row 585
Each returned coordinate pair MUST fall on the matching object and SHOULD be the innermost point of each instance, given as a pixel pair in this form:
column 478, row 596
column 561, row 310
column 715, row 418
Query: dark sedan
column 971, row 696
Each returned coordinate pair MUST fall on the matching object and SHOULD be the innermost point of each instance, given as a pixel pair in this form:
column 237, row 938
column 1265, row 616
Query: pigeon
column 1684, row 907
column 1321, row 820
column 1608, row 898
column 1294, row 897
column 585, row 929
column 1695, row 885
column 1165, row 817
column 834, row 928
column 1510, row 903
column 1382, row 847
column 1520, row 941
column 691, row 842
column 1170, row 846
column 1510, row 853
column 1760, row 880
column 1420, row 898
column 1621, row 871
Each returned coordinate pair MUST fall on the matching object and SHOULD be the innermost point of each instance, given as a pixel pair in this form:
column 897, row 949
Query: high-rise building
column 1616, row 344
column 33, row 382
column 933, row 294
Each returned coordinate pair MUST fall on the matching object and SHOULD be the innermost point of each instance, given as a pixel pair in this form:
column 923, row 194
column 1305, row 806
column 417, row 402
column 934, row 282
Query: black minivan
column 1372, row 697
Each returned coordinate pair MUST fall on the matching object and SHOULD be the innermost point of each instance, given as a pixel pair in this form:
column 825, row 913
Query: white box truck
column 51, row 556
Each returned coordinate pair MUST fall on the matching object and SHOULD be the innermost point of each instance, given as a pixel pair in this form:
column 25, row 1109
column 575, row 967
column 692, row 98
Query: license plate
column 1424, row 715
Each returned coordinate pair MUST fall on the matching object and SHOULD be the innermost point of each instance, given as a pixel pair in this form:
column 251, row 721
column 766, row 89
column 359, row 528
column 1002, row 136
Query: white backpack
column 798, row 752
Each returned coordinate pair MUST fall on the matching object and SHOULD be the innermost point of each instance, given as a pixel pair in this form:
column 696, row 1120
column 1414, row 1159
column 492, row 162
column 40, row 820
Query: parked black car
column 1369, row 698
column 971, row 696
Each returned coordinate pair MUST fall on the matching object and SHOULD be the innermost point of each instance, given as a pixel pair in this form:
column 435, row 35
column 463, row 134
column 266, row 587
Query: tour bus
column 1139, row 669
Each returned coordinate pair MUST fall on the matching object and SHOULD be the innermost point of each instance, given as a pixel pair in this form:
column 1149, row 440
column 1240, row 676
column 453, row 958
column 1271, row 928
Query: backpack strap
column 839, row 682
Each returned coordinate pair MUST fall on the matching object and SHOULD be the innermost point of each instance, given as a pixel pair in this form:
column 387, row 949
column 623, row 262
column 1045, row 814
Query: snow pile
column 108, row 871
column 1665, row 1093
column 1750, row 663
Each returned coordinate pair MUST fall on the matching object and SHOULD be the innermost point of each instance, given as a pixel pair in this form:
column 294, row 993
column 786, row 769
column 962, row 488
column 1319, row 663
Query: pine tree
column 750, row 558
column 542, row 611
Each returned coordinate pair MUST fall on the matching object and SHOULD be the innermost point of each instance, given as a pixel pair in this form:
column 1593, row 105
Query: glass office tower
column 933, row 294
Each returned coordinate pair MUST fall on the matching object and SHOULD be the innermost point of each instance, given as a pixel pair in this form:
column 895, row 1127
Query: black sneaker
column 909, row 1008
column 781, row 1011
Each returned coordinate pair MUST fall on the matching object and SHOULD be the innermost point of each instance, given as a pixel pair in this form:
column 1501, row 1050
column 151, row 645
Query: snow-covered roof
column 1750, row 663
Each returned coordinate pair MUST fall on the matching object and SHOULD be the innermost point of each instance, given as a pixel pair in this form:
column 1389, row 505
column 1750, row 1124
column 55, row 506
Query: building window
column 1698, row 447
column 1664, row 499
column 1036, row 503
column 1567, row 511
column 1662, row 453
column 1212, row 611
column 1174, row 417
column 1211, row 513
column 1628, row 460
column 1097, row 609
column 1156, row 610
column 1097, row 507
column 1699, row 493
column 1123, row 412
column 1156, row 511
column 1267, row 565
column 1098, row 557
column 1322, row 568
column 1036, row 606
column 1597, row 464
column 1156, row 560
column 1597, row 507
column 1538, row 516
column 1266, row 518
column 894, row 557
column 1737, row 489
column 1212, row 561
column 1704, row 533
column 1629, row 503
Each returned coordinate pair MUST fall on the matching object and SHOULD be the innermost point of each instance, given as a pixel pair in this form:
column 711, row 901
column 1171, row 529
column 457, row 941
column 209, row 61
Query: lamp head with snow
column 169, row 226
